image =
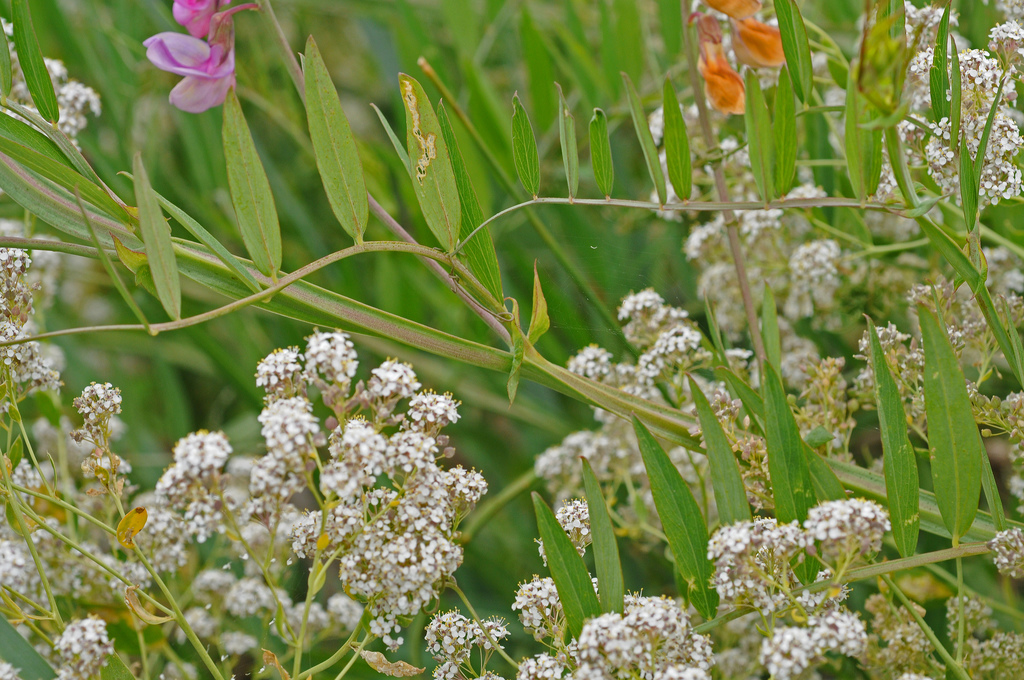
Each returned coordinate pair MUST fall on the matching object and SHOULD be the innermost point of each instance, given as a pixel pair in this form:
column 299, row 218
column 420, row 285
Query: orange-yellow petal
column 737, row 9
column 722, row 85
column 757, row 44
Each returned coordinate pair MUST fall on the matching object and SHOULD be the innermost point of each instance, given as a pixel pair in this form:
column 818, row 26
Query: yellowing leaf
column 396, row 669
column 144, row 615
column 269, row 658
column 130, row 526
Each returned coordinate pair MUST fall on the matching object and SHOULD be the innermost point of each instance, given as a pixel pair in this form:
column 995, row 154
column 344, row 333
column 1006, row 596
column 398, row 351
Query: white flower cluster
column 652, row 638
column 847, row 527
column 192, row 483
column 451, row 639
column 1008, row 547
column 83, row 648
column 814, row 278
column 574, row 518
column 280, row 374
column 791, row 650
column 540, row 610
column 98, row 404
column 27, row 362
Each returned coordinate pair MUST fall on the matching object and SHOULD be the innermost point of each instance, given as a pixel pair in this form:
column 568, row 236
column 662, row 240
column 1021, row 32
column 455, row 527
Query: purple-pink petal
column 195, row 15
column 187, row 56
column 195, row 95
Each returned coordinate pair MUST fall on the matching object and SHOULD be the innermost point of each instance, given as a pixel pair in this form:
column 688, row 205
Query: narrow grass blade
column 26, row 135
column 575, row 589
column 524, row 148
column 250, row 192
column 30, row 57
column 788, row 465
column 759, row 138
column 539, row 321
column 156, row 236
column 337, row 159
column 730, row 494
column 770, row 330
column 395, row 141
column 795, row 47
column 784, row 129
column 682, row 521
column 601, row 153
column 433, row 179
column 6, row 74
column 863, row 146
column 610, row 584
column 643, row 133
column 899, row 461
column 567, row 139
column 677, row 144
column 953, row 437
column 938, row 77
column 479, row 250
column 539, row 71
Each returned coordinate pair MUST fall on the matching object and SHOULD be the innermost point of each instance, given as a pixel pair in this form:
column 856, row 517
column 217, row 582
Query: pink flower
column 208, row 67
column 209, row 70
column 195, row 15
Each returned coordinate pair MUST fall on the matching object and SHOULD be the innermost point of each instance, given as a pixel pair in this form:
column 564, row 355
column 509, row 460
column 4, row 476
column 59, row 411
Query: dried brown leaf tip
column 395, row 669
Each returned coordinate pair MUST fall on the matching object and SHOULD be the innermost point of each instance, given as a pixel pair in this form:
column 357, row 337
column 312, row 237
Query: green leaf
column 938, row 77
column 17, row 651
column 819, row 436
column 6, row 75
column 395, row 141
column 116, row 669
column 682, row 521
column 759, row 137
column 16, row 452
column 432, row 176
column 479, row 250
column 770, row 330
column 606, row 551
column 788, row 465
column 677, row 144
column 524, row 148
column 752, row 401
column 250, row 192
column 955, row 96
column 730, row 494
column 30, row 58
column 539, row 321
column 824, row 481
column 567, row 138
column 518, row 353
column 572, row 581
column 629, row 38
column 795, row 47
column 22, row 133
column 539, row 71
column 341, row 171
column 863, row 146
column 670, row 24
column 784, row 129
column 156, row 236
column 601, row 153
column 643, row 133
column 953, row 437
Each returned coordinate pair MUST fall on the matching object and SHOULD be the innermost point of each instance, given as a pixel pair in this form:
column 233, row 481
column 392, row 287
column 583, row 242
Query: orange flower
column 756, row 44
column 737, row 9
column 722, row 85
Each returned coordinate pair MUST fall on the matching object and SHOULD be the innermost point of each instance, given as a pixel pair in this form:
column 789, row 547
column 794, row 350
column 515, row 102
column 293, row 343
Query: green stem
column 961, row 630
column 483, row 628
column 340, row 653
column 951, row 663
column 355, row 655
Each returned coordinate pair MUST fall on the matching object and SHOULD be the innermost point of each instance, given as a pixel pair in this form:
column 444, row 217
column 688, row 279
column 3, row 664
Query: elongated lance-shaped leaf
column 759, row 138
column 682, row 521
column 784, row 131
column 524, row 148
column 643, row 133
column 752, row 401
column 22, row 133
column 730, row 494
column 539, row 321
column 19, row 652
column 677, row 144
column 611, row 588
column 6, row 74
column 116, row 670
column 899, row 461
column 825, row 483
column 567, row 139
column 518, row 354
column 479, row 250
column 956, row 96
column 156, row 236
column 670, row 24
column 601, row 153
column 795, row 47
column 863, row 146
column 432, row 176
column 953, row 437
column 254, row 204
column 770, row 329
column 938, row 77
column 572, row 581
column 30, row 57
column 787, row 463
column 337, row 159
